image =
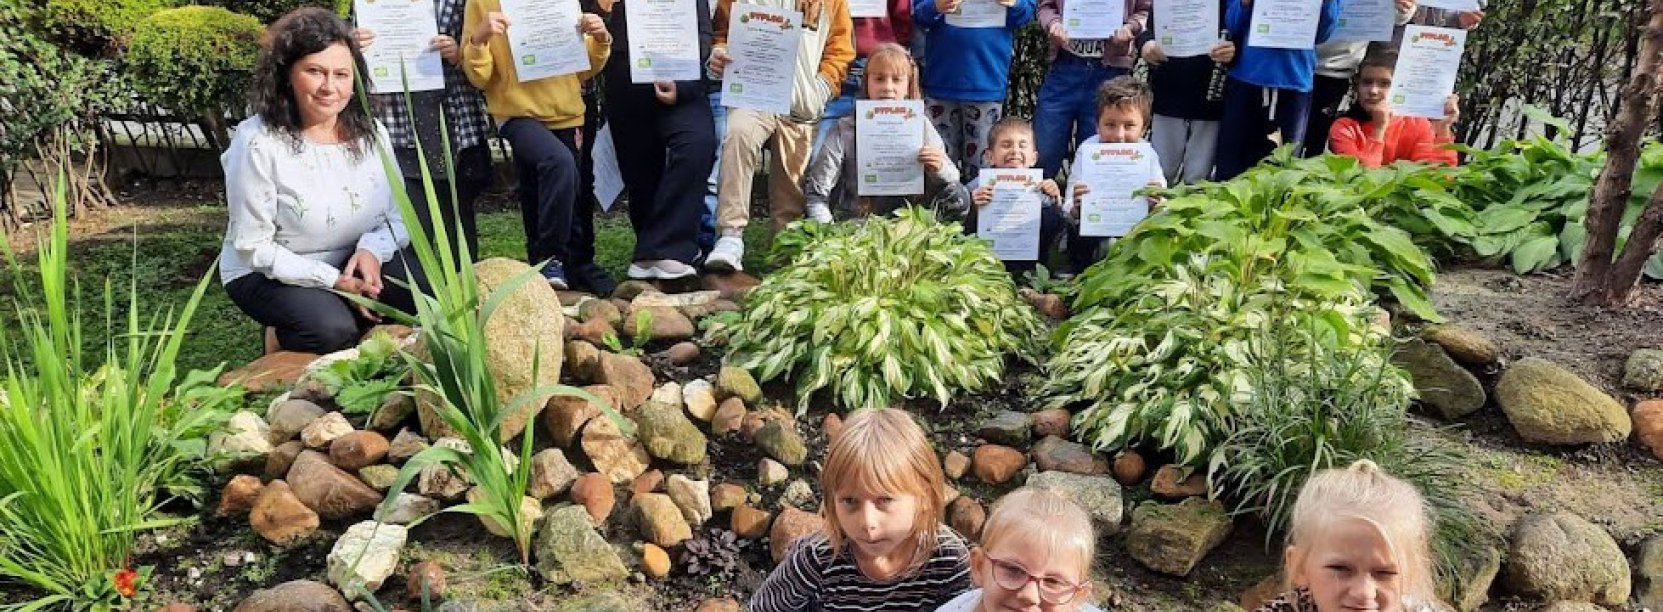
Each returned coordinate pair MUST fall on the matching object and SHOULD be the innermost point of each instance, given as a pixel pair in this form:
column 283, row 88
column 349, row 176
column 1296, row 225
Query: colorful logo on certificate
column 529, row 59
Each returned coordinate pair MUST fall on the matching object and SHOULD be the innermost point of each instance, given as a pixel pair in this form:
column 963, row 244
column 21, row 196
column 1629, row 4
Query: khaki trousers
column 748, row 131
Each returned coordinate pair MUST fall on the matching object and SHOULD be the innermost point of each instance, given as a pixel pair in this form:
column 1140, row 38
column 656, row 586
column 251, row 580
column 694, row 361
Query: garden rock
column 1449, row 390
column 1561, row 557
column 1129, row 467
column 289, row 417
column 1099, row 496
column 654, row 561
column 279, row 517
column 278, row 462
column 565, row 415
column 1171, row 483
column 621, row 459
column 1054, row 453
column 729, row 415
column 755, row 420
column 780, row 440
column 630, row 289
column 1172, row 539
column 727, row 496
column 1007, row 427
column 659, row 520
column 1053, row 422
column 737, row 382
column 667, row 393
column 700, row 398
column 1049, row 304
column 650, row 482
column 365, row 556
column 394, row 411
column 1648, row 566
column 659, row 299
column 239, row 496
column 526, row 329
column 425, row 579
column 770, row 472
column 750, row 522
column 569, row 550
column 732, row 286
column 357, row 450
column 1475, row 569
column 725, row 604
column 595, row 494
column 662, row 323
column 691, row 496
column 296, row 596
column 530, row 511
column 408, row 508
column 995, row 464
column 1648, row 426
column 1548, row 404
column 323, row 431
column 798, row 494
column 442, row 481
column 966, row 516
column 595, row 309
column 583, row 360
column 380, row 477
column 405, row 445
column 1644, row 370
column 631, row 378
column 1572, row 606
column 551, row 474
column 832, row 426
column 682, row 353
column 269, row 372
column 245, row 436
column 788, row 526
column 667, row 433
column 334, row 494
column 955, row 464
column 1465, row 345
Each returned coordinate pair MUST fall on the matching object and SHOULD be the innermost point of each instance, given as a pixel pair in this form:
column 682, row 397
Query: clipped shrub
column 195, row 59
column 94, row 27
column 268, row 11
column 894, row 308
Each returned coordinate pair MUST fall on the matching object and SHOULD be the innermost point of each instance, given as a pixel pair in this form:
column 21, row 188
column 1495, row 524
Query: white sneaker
column 819, row 212
column 660, row 269
column 726, row 257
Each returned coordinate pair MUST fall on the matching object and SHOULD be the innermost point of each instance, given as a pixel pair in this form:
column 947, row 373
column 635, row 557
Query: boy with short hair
column 1124, row 105
column 1010, row 145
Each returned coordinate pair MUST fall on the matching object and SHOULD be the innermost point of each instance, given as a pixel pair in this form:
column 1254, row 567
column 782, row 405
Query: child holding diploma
column 1269, row 89
column 1337, row 63
column 1184, row 130
column 1371, row 133
column 1123, row 110
column 967, row 67
column 832, row 173
column 1011, row 147
column 540, row 119
column 1065, row 110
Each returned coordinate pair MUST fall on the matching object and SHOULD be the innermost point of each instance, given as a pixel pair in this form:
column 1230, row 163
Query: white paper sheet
column 609, row 180
column 763, row 44
column 1112, row 172
column 1285, row 24
column 1186, row 28
column 1365, row 20
column 868, row 8
column 1092, row 19
column 1011, row 221
column 977, row 14
column 1427, row 63
column 659, row 31
column 1454, row 5
column 544, row 39
column 404, row 33
column 888, row 137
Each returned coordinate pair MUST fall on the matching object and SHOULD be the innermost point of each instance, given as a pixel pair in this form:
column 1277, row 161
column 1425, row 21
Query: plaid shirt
column 463, row 104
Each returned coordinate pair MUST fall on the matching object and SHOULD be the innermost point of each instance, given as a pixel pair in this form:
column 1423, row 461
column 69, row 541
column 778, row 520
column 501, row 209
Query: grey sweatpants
column 1185, row 147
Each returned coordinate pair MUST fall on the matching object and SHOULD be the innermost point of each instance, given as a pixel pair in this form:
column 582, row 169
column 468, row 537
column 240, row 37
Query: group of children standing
column 1359, row 540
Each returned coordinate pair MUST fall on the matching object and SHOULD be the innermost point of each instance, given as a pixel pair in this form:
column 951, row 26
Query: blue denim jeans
column 1066, row 111
column 840, row 106
column 707, row 219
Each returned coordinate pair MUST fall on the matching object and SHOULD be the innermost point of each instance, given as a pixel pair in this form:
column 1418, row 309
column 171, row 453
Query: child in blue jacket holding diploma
column 1268, row 90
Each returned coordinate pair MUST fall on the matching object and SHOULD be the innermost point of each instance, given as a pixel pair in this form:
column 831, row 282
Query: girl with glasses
column 1035, row 554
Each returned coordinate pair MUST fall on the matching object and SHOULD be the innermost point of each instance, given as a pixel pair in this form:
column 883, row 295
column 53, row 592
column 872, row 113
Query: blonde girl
column 1359, row 540
column 890, row 75
column 883, row 545
column 1035, row 554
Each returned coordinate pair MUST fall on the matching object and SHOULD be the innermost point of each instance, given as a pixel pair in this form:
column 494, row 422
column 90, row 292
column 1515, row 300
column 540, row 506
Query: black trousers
column 546, row 161
column 313, row 320
column 582, row 247
column 1327, row 94
column 664, row 154
column 1052, row 224
column 472, row 175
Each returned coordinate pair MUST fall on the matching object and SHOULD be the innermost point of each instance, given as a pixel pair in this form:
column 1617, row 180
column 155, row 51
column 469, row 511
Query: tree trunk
column 1594, row 273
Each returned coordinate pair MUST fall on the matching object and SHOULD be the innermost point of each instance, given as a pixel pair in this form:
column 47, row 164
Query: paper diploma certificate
column 763, row 44
column 1092, row 19
column 1454, row 5
column 403, row 49
column 1011, row 220
column 888, row 136
column 1112, row 172
column 868, row 8
column 1186, row 28
column 658, row 35
column 1285, row 24
column 544, row 39
column 1365, row 20
column 977, row 14
column 1426, row 67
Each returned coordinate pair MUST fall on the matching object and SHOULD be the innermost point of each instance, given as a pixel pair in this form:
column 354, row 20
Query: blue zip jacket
column 968, row 64
column 1276, row 68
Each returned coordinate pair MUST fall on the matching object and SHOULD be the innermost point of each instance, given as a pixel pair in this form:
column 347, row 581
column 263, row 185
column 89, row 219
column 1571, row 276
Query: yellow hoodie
column 555, row 101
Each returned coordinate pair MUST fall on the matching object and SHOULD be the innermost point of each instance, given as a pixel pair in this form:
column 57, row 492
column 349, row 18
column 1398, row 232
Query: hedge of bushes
column 195, row 59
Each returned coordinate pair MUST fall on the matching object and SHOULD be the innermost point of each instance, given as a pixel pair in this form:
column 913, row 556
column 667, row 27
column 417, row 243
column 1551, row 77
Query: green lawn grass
column 175, row 245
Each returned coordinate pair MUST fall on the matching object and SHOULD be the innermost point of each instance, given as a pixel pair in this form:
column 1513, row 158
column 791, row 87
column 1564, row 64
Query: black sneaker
column 592, row 278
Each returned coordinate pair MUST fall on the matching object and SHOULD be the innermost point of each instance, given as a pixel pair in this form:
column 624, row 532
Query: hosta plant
column 898, row 307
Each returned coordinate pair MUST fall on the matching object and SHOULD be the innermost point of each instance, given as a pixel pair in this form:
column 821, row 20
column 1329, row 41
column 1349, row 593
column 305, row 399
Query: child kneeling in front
column 883, row 545
column 1358, row 541
column 1035, row 554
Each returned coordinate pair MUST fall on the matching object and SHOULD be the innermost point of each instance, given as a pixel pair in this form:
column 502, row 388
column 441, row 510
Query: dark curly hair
column 298, row 34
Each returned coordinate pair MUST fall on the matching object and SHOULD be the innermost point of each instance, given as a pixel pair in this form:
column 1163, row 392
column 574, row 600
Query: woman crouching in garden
column 311, row 208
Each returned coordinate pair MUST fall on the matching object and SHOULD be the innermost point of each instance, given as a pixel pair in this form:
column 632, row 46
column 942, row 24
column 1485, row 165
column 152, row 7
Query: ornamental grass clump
column 900, row 307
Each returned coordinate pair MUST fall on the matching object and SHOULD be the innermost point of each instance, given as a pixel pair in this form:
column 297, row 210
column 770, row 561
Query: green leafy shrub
column 46, row 94
column 195, row 59
column 360, row 385
column 88, row 450
column 893, row 308
column 94, row 27
column 268, row 11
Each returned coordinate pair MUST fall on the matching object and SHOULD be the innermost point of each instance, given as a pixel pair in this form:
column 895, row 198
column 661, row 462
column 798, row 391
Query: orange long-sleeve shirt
column 1406, row 139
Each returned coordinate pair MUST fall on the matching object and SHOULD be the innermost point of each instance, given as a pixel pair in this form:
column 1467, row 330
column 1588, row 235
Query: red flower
column 126, row 583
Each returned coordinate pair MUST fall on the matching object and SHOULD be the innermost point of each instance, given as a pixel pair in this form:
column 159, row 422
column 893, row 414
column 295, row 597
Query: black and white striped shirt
column 811, row 580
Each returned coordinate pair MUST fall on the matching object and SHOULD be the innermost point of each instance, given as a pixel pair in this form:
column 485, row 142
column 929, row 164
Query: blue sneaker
column 555, row 274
